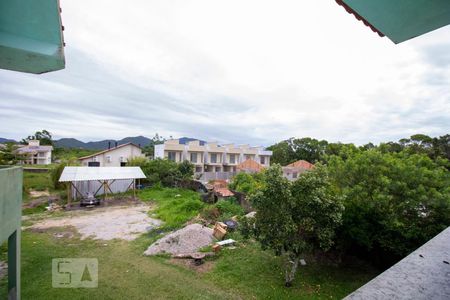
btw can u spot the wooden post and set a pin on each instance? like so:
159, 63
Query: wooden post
134, 189
104, 191
14, 265
69, 193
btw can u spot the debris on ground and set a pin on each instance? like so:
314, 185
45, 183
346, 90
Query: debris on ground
251, 214
186, 240
302, 262
220, 230
65, 234
54, 207
3, 269
216, 248
226, 242
196, 256
231, 225
107, 223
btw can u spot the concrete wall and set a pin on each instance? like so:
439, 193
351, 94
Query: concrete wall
10, 200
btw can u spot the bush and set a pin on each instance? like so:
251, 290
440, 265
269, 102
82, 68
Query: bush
186, 169
161, 170
175, 206
247, 183
228, 208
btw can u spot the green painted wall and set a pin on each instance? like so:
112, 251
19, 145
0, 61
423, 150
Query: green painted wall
10, 200
401, 20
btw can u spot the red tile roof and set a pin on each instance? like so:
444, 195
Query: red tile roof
250, 165
303, 164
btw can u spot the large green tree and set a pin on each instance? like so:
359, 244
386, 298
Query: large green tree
295, 219
394, 203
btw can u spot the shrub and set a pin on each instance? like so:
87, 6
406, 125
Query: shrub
246, 183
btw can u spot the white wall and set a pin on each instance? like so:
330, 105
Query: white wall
159, 151
126, 153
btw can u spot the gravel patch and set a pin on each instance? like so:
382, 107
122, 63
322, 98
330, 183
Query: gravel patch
186, 240
125, 223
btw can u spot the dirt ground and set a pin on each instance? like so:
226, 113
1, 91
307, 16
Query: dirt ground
106, 223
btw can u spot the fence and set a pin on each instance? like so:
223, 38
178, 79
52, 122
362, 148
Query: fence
84, 187
208, 176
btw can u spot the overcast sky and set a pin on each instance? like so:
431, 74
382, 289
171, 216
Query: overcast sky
232, 71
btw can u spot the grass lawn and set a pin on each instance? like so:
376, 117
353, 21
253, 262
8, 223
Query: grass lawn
124, 273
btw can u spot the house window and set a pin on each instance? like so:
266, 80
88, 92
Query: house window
95, 158
232, 159
247, 157
294, 175
171, 156
262, 160
122, 159
213, 158
194, 157
108, 158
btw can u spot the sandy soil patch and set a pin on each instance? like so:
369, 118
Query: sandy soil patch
111, 223
37, 194
189, 263
186, 240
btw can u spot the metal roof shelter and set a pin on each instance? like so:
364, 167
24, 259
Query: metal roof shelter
400, 20
105, 175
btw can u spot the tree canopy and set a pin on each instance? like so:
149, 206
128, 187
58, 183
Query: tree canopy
298, 218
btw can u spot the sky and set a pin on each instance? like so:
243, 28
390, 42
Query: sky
247, 71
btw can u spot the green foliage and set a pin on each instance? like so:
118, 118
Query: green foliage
137, 162
44, 137
161, 170
229, 208
174, 206
186, 169
149, 150
246, 183
293, 219
8, 154
71, 154
56, 172
394, 203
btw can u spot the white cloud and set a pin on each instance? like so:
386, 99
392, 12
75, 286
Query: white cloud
256, 71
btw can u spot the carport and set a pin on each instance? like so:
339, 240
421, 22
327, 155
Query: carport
104, 177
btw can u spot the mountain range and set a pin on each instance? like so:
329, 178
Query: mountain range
101, 145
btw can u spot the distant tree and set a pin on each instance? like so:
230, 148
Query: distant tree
44, 137
294, 219
294, 149
309, 149
9, 155
149, 150
137, 162
283, 153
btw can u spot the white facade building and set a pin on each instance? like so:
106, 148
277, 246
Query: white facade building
210, 156
35, 154
113, 157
